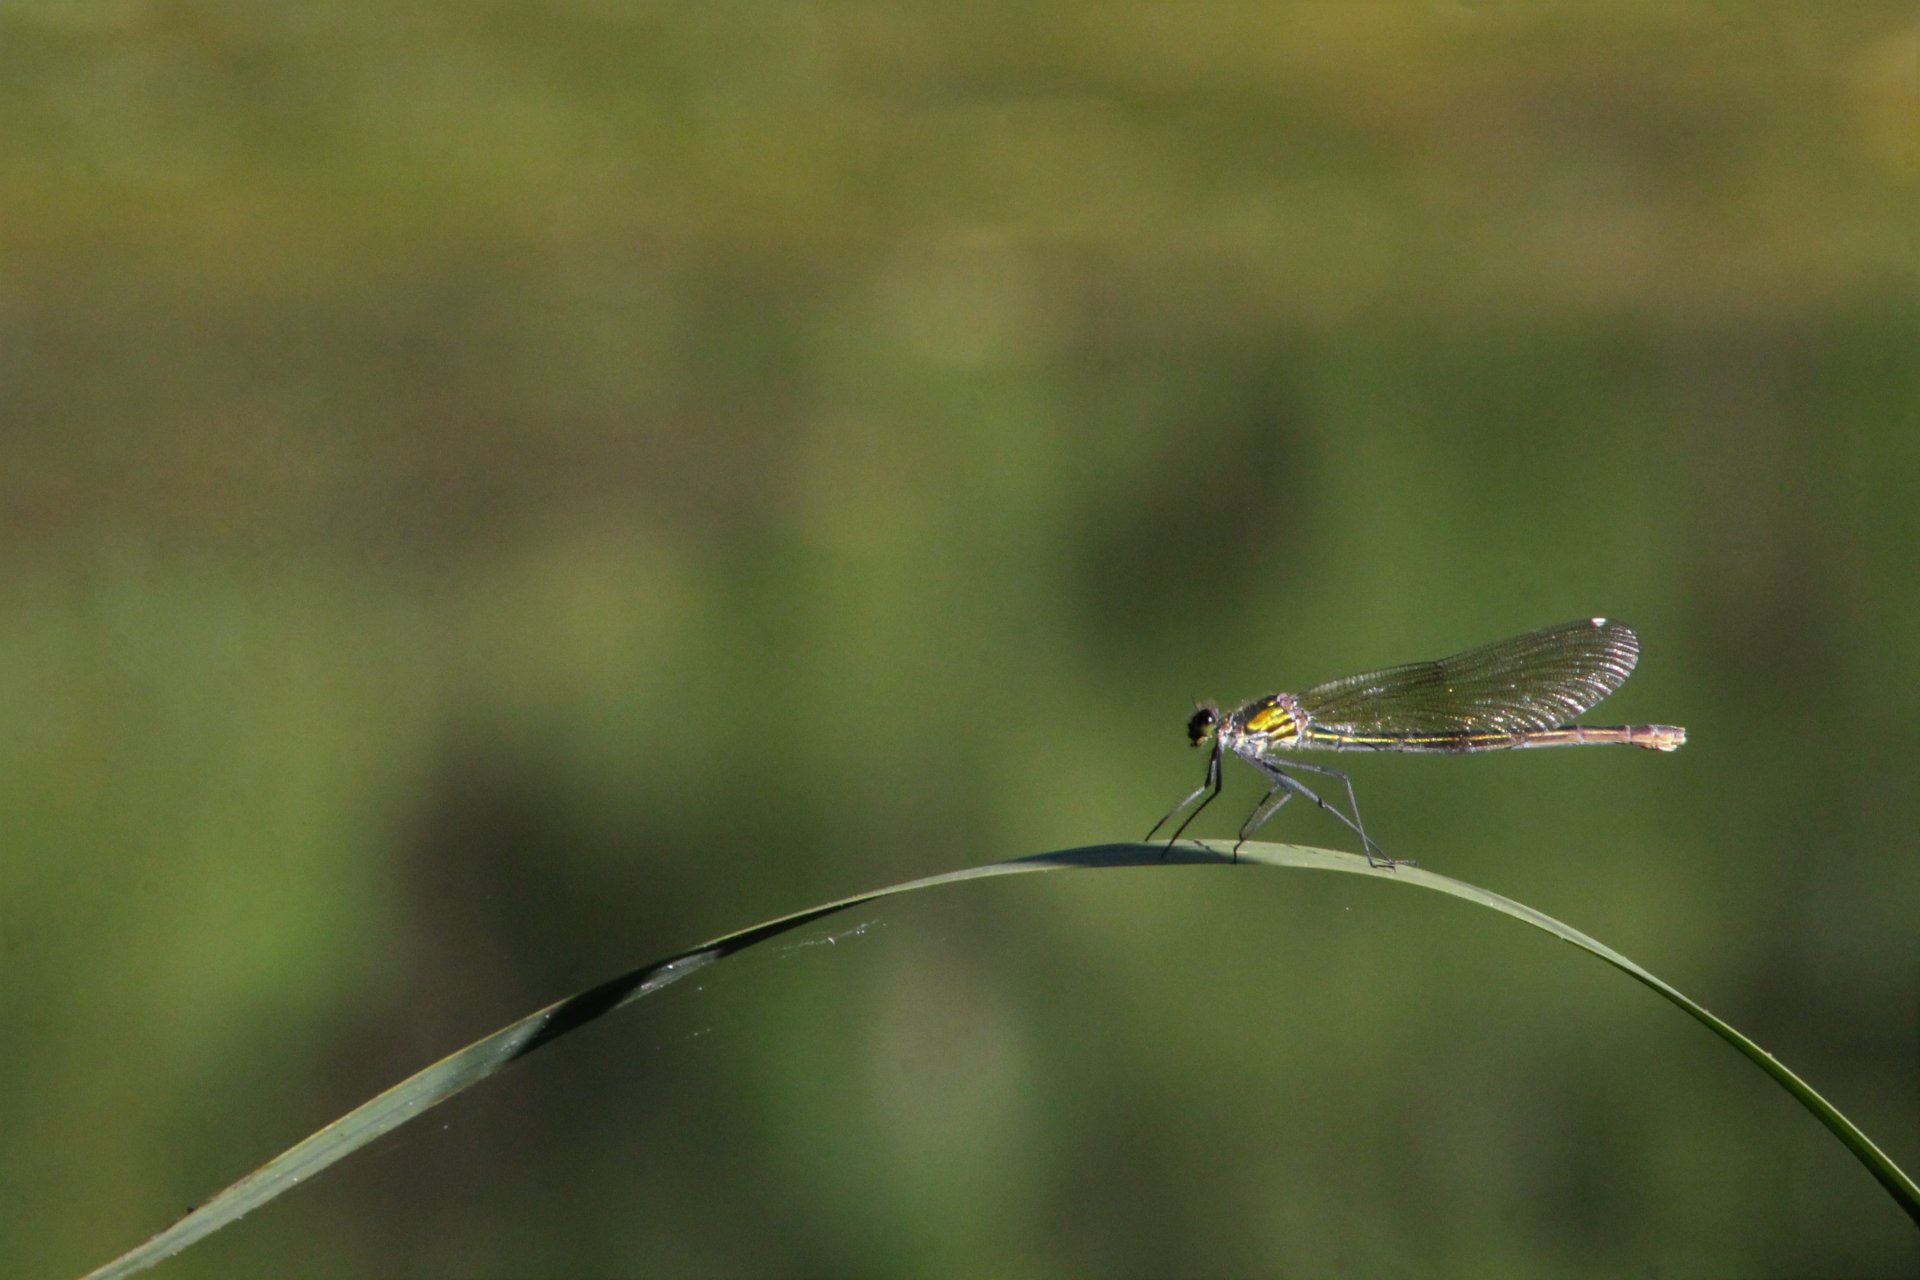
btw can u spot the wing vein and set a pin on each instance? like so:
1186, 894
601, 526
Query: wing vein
1541, 680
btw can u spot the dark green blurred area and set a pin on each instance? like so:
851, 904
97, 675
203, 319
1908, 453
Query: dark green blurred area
493, 494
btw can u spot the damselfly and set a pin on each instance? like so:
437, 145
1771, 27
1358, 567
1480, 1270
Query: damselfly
1518, 692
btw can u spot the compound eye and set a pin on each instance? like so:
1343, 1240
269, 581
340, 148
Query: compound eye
1200, 725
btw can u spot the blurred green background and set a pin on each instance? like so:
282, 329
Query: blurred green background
494, 493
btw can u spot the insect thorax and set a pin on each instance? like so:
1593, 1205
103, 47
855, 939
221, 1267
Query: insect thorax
1272, 720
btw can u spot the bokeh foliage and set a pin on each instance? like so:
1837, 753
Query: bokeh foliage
493, 493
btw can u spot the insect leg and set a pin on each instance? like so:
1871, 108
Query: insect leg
1268, 806
1211, 783
1376, 857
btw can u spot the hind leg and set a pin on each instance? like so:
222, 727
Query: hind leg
1376, 857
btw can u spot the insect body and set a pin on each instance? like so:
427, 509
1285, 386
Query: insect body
1520, 692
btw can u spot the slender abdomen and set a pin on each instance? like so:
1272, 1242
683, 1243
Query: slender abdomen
1653, 737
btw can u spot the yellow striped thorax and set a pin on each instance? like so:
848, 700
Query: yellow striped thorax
1274, 718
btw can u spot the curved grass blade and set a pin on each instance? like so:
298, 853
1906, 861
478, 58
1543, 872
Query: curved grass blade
493, 1053
1889, 1175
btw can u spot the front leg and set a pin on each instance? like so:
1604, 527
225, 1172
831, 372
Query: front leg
1212, 781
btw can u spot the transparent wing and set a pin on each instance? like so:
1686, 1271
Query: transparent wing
1540, 680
